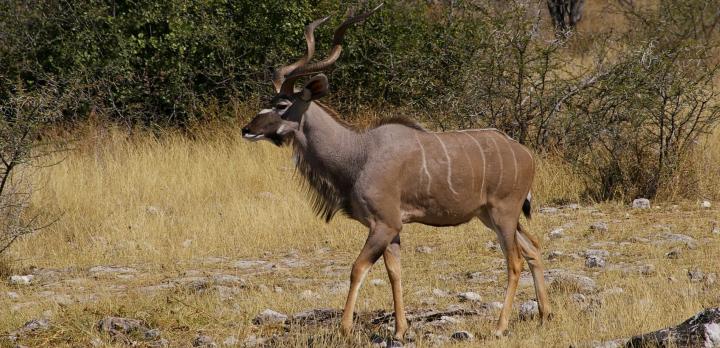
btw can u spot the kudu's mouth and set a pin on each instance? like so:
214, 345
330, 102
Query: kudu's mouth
253, 137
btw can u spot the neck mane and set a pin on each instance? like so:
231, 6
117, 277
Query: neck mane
329, 153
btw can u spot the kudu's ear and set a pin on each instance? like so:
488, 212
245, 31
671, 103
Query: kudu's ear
316, 88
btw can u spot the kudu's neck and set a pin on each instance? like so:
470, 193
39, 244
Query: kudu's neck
329, 148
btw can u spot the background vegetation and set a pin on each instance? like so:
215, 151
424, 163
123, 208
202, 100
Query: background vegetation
625, 103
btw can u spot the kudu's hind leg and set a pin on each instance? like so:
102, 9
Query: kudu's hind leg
392, 264
375, 245
530, 249
505, 231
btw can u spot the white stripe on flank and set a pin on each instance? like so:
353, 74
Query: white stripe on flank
500, 159
449, 164
472, 168
424, 163
532, 161
515, 164
482, 154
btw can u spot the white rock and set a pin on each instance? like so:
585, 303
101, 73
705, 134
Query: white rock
377, 282
269, 316
231, 341
440, 293
98, 270
469, 296
152, 210
528, 310
557, 233
705, 204
599, 226
21, 279
12, 295
594, 261
308, 294
424, 249
548, 210
712, 335
641, 203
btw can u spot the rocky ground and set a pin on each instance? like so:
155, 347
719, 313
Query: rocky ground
602, 262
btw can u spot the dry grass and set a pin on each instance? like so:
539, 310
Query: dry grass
175, 208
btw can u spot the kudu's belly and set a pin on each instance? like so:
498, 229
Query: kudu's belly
441, 211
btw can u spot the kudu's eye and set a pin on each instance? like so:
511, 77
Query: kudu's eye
281, 106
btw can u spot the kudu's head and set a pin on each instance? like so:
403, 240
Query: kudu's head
278, 122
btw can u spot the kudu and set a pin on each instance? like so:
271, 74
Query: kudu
397, 173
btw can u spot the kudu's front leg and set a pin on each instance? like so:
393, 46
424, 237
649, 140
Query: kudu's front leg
392, 265
380, 237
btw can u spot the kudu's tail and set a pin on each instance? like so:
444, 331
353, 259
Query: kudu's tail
526, 208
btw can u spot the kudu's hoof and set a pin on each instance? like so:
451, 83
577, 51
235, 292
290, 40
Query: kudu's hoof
500, 333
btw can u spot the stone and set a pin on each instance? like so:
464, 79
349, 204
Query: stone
377, 282
555, 254
696, 275
594, 261
528, 310
31, 326
120, 328
641, 203
479, 277
462, 336
202, 340
673, 254
21, 279
12, 295
710, 279
245, 264
557, 233
647, 270
187, 243
469, 297
609, 344
705, 204
578, 298
563, 280
715, 229
269, 316
700, 330
548, 210
440, 293
152, 210
254, 341
316, 316
690, 242
152, 334
308, 295
599, 226
110, 270
424, 249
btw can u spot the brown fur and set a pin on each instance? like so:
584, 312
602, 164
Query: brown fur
401, 120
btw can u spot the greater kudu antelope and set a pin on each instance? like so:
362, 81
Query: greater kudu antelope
398, 173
